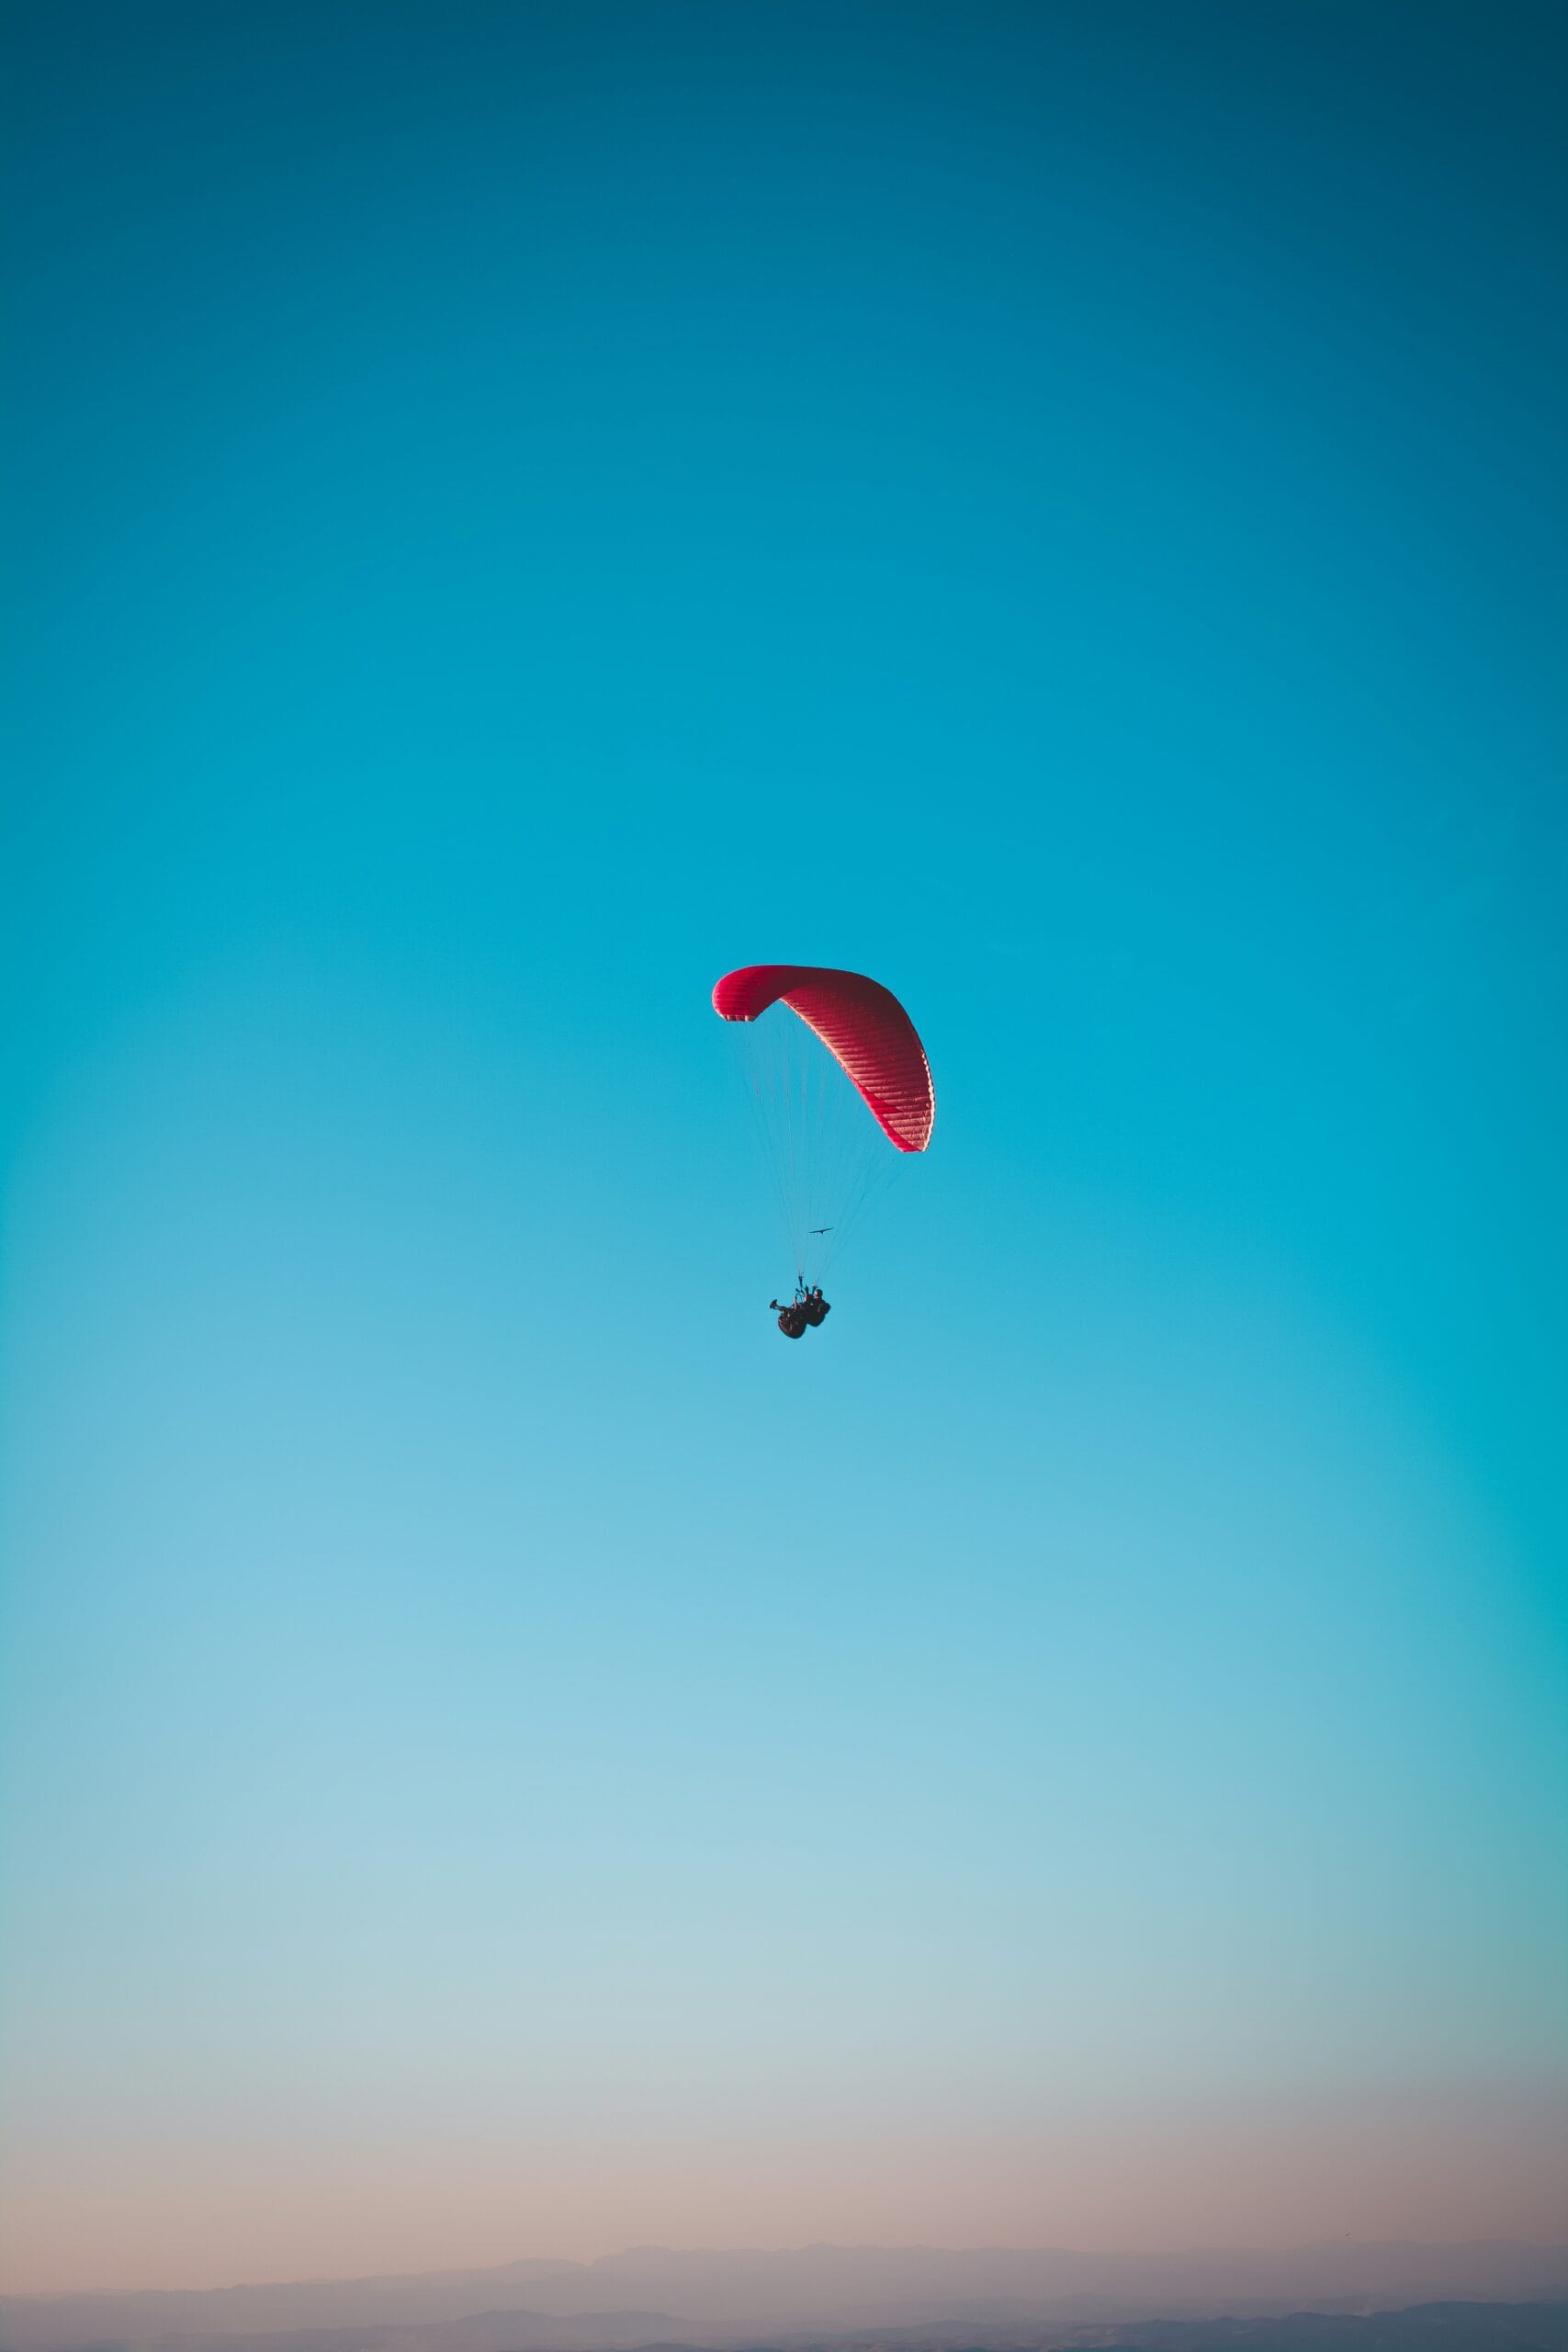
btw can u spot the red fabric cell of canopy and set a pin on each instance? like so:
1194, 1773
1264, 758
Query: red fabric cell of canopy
864, 1026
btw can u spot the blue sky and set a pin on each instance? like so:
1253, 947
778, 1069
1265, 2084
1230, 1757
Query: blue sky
521, 510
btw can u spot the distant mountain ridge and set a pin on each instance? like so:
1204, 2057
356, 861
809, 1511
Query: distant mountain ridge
999, 2297
1429, 2327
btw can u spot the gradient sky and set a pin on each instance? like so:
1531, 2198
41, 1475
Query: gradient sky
522, 508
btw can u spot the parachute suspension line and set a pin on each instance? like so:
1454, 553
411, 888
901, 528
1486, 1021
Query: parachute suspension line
789, 1076
830, 1154
827, 1157
875, 1181
790, 1072
835, 1104
752, 1070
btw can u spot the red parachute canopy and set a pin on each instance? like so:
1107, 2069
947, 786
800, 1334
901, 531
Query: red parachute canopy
864, 1028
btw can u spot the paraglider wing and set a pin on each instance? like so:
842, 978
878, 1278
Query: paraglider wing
864, 1028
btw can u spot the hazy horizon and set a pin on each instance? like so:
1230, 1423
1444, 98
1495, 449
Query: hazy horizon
991, 2273
1473, 2177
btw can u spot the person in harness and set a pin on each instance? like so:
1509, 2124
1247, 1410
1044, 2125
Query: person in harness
807, 1307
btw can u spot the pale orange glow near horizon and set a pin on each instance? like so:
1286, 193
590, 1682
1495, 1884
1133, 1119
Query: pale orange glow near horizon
1425, 2170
